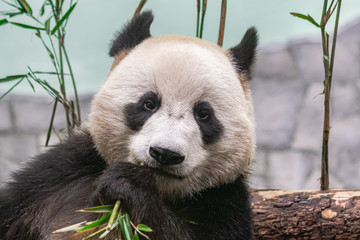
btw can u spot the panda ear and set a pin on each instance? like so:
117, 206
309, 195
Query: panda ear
133, 33
244, 53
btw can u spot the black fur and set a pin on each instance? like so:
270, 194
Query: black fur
133, 33
137, 113
45, 195
210, 127
69, 168
244, 53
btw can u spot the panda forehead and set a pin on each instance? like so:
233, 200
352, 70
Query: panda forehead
177, 67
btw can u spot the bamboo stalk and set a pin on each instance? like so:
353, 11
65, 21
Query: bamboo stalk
328, 68
198, 18
140, 6
222, 23
77, 101
202, 17
324, 180
332, 59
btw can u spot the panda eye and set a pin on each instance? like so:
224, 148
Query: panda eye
149, 105
203, 115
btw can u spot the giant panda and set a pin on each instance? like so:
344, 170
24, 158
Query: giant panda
170, 134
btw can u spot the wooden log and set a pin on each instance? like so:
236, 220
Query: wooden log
333, 214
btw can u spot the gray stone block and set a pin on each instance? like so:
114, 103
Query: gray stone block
276, 104
308, 58
347, 60
344, 151
345, 101
275, 63
5, 116
289, 169
258, 182
313, 181
33, 114
308, 135
259, 165
15, 151
85, 102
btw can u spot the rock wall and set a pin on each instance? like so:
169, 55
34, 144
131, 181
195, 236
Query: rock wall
289, 112
287, 87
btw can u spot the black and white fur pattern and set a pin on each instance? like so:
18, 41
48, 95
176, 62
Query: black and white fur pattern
171, 134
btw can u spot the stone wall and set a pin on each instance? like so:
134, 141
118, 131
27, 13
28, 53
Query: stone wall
289, 113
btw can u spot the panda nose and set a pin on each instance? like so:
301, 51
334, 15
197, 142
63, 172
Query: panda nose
165, 156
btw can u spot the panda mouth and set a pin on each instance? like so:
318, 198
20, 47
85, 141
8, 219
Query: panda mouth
164, 173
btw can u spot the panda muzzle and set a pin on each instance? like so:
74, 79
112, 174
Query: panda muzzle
165, 156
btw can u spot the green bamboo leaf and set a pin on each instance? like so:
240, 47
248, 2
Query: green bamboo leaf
10, 14
12, 5
306, 17
25, 6
12, 78
42, 9
128, 228
47, 26
49, 73
120, 219
66, 16
191, 222
135, 237
31, 85
95, 233
3, 21
26, 26
2, 96
48, 135
96, 223
143, 228
98, 209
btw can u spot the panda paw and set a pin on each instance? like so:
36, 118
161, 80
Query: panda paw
133, 185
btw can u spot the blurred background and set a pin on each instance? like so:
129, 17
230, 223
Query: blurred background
287, 81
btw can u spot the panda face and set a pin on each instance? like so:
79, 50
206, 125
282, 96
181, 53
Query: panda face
176, 105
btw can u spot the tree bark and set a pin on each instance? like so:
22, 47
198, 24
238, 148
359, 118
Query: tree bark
333, 214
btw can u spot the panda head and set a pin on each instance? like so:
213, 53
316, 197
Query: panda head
178, 105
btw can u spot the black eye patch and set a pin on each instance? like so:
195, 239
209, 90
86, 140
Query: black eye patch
210, 127
137, 113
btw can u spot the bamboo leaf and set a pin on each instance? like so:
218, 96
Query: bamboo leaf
26, 26
95, 233
96, 223
11, 14
66, 16
48, 135
120, 219
88, 234
98, 209
12, 5
306, 17
31, 85
136, 237
70, 228
143, 228
104, 234
3, 21
12, 78
47, 26
2, 96
25, 6
42, 9
127, 225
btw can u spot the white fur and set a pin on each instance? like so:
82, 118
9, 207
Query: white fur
182, 71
